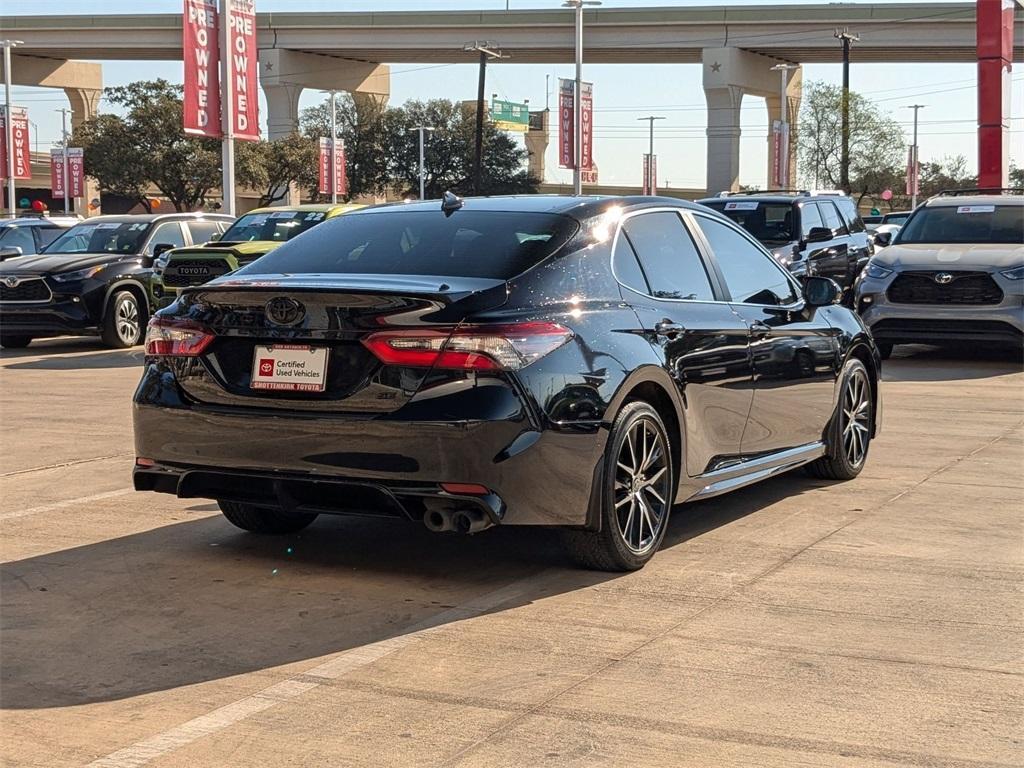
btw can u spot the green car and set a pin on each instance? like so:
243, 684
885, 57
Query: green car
254, 234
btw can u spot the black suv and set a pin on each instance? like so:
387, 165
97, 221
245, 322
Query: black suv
92, 279
810, 234
567, 361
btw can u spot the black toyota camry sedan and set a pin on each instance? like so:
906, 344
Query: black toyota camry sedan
580, 362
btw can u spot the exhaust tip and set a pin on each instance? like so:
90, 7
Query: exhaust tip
438, 520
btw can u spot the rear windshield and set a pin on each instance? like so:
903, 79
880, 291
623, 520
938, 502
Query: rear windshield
978, 223
101, 237
768, 222
489, 244
895, 218
278, 226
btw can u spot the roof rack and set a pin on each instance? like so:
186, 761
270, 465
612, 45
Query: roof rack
802, 192
980, 191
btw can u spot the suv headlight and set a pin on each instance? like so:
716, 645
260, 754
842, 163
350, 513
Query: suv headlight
81, 274
1014, 274
877, 271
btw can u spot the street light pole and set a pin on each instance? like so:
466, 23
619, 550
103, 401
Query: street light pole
913, 155
64, 155
784, 128
846, 38
423, 168
227, 111
9, 125
649, 181
577, 102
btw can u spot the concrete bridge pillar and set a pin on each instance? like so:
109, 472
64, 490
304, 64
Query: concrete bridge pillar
729, 74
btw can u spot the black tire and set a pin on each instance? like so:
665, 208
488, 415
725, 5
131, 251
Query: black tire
884, 349
14, 341
608, 549
844, 459
266, 520
124, 321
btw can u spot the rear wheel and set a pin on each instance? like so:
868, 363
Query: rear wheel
852, 425
636, 497
267, 520
122, 323
8, 341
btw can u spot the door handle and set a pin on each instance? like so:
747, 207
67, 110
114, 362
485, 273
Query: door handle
760, 330
668, 329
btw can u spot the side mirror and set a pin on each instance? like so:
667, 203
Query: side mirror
147, 261
10, 252
883, 239
161, 248
819, 235
215, 237
821, 291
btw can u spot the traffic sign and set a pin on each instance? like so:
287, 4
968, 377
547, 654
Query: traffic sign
510, 115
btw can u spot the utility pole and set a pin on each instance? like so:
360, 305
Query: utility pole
577, 102
913, 160
423, 169
12, 202
649, 181
64, 157
846, 37
227, 112
784, 139
487, 50
334, 151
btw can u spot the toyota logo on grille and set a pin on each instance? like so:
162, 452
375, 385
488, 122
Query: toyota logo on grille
943, 278
285, 311
11, 281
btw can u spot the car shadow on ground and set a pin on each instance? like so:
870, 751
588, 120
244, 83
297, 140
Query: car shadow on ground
67, 354
197, 600
916, 362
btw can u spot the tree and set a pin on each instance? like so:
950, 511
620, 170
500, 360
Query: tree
273, 166
147, 146
1016, 176
877, 148
949, 172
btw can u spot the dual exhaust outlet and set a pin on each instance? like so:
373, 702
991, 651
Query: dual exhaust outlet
458, 520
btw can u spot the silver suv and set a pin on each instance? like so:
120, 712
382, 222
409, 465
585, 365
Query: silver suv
954, 272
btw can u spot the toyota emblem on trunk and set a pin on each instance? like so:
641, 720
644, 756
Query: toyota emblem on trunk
943, 278
285, 311
11, 281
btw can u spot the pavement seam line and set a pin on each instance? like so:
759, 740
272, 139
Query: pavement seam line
63, 464
142, 752
62, 504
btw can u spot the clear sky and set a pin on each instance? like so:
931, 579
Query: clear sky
622, 93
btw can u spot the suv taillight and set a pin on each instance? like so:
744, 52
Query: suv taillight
169, 337
472, 347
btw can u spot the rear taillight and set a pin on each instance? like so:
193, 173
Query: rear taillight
471, 347
169, 337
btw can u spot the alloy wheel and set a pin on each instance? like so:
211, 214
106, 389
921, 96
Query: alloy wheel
641, 489
856, 418
128, 321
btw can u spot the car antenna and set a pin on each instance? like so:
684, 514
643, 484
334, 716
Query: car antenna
450, 203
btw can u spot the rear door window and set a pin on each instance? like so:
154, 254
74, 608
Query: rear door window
669, 257
626, 267
752, 276
848, 209
830, 215
809, 219
487, 244
169, 232
202, 231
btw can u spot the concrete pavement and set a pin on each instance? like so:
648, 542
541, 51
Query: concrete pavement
871, 623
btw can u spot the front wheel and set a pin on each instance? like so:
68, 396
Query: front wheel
636, 497
851, 428
8, 341
122, 323
267, 520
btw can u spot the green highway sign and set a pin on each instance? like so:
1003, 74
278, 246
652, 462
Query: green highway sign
510, 115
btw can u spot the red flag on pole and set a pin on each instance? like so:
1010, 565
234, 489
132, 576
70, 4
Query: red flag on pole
57, 174
587, 118
325, 166
340, 175
201, 51
22, 161
566, 140
242, 65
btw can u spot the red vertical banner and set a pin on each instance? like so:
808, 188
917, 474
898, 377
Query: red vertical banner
654, 176
587, 120
646, 188
76, 171
775, 182
325, 166
57, 174
201, 54
22, 161
241, 55
340, 174
566, 133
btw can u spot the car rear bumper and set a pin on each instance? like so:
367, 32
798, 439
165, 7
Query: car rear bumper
341, 464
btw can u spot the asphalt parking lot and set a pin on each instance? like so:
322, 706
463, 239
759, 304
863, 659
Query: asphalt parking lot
795, 623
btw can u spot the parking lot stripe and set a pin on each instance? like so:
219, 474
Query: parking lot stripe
143, 752
62, 504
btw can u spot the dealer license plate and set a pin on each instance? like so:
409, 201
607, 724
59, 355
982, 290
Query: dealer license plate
295, 367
